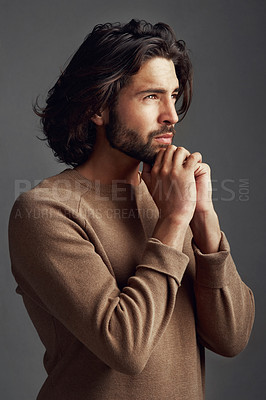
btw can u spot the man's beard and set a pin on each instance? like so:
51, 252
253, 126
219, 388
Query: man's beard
130, 142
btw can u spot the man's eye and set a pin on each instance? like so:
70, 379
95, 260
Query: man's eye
174, 96
151, 96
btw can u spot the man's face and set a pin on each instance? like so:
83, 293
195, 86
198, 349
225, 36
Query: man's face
144, 116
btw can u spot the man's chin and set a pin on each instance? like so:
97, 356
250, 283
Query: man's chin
150, 159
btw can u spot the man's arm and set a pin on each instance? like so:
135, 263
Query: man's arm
225, 305
59, 264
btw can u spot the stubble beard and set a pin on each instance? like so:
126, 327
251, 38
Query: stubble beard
130, 142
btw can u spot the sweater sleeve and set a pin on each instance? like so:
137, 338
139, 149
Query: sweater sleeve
57, 266
225, 305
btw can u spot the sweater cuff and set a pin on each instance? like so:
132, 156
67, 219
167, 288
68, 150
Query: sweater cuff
164, 259
212, 270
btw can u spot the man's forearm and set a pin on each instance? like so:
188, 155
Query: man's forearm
206, 231
170, 232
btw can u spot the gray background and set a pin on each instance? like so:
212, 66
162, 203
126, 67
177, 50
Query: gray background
226, 123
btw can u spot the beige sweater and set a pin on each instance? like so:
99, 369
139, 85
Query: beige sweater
121, 315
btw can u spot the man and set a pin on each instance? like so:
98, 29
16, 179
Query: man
126, 276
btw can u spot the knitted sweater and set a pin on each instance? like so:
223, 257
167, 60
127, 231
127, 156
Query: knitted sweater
121, 315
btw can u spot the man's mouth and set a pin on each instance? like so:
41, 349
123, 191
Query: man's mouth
165, 138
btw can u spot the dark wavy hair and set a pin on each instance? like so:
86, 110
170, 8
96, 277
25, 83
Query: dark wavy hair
100, 68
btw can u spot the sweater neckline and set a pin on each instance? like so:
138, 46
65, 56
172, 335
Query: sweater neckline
106, 188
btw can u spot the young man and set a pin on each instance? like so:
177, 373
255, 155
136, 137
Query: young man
126, 276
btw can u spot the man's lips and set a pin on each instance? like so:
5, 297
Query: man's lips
165, 138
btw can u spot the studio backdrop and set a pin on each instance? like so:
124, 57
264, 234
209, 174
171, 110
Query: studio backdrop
226, 123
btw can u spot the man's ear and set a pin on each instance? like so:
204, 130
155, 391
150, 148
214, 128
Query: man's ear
101, 118
98, 119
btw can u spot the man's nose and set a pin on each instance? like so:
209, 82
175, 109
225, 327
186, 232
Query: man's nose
168, 114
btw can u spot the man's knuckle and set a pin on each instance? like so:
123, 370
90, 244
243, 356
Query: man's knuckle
174, 174
172, 147
154, 171
180, 148
196, 155
164, 171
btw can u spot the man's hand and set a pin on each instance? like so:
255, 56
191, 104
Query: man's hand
180, 185
202, 174
172, 185
205, 223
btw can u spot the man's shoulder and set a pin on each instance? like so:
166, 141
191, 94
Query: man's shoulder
58, 191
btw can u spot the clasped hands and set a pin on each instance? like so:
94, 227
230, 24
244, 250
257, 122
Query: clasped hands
180, 184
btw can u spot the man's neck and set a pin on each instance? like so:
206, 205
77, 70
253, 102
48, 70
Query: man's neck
106, 165
90, 171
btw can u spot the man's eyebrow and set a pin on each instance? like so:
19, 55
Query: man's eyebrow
155, 90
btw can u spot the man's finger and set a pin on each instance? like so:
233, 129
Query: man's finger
192, 160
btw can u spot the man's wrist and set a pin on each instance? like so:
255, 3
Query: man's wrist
171, 232
206, 231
